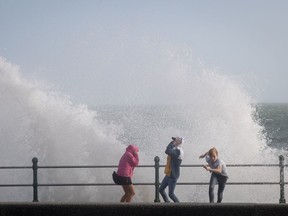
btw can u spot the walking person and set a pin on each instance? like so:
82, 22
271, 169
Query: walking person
124, 174
219, 174
172, 169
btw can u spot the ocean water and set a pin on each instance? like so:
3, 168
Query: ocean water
38, 121
274, 118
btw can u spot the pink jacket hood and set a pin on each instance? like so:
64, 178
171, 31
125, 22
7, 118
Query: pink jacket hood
132, 149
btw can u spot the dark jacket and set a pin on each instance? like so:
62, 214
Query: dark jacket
174, 161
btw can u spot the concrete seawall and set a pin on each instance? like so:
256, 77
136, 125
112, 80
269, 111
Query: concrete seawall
139, 209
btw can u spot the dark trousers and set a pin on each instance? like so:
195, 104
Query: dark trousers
171, 183
221, 180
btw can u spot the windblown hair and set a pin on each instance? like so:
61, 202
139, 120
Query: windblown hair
213, 151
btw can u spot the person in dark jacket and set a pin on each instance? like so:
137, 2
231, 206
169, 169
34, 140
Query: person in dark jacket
172, 169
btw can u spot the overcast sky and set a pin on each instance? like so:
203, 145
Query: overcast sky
96, 51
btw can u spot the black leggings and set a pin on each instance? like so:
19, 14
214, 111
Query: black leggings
221, 180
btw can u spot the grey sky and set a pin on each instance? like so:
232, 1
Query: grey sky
100, 51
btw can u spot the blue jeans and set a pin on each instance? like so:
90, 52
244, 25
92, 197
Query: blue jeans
171, 183
221, 185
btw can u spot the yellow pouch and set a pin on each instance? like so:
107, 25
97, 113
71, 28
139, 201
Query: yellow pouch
167, 170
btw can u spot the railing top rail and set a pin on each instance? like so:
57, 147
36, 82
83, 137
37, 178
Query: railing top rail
234, 165
15, 167
75, 166
253, 165
142, 166
89, 166
149, 166
16, 185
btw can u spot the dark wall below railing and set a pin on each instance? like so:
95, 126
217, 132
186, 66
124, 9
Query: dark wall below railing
141, 209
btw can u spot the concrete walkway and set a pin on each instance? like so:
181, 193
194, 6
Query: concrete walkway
141, 209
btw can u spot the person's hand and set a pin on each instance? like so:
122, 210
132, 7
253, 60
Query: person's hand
201, 156
206, 167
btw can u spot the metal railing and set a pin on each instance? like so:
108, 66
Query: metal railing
35, 185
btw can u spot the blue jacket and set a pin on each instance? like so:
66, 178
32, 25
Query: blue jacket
175, 163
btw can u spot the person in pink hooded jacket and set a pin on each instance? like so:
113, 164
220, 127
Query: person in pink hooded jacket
126, 166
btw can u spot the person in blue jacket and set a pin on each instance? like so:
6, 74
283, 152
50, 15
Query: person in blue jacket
175, 155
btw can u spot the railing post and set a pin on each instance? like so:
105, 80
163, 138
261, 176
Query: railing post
35, 179
157, 159
282, 181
